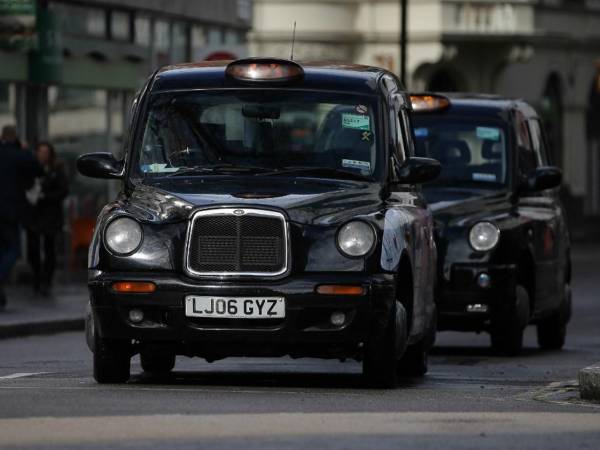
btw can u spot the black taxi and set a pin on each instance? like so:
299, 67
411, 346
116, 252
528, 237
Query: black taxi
268, 208
503, 244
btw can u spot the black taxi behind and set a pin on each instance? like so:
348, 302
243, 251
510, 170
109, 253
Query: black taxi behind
268, 208
503, 244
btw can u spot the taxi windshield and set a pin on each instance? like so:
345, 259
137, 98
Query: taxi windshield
472, 151
252, 131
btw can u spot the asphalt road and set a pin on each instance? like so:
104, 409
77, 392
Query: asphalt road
471, 399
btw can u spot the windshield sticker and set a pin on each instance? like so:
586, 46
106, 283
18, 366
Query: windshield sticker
356, 122
158, 168
490, 177
361, 109
363, 166
487, 133
421, 132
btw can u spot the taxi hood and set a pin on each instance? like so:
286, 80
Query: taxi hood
304, 200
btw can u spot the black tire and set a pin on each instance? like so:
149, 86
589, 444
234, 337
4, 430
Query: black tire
382, 350
414, 362
112, 361
157, 364
552, 330
507, 332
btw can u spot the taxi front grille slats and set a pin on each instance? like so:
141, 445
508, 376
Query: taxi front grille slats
248, 243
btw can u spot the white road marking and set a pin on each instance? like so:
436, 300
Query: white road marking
59, 431
20, 375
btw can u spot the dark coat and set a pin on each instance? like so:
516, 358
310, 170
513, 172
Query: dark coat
47, 213
18, 168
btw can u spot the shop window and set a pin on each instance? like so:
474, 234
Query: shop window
180, 42
7, 104
232, 37
120, 25
142, 31
82, 20
215, 36
162, 42
198, 42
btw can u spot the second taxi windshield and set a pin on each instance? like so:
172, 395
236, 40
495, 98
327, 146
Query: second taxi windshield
473, 152
261, 131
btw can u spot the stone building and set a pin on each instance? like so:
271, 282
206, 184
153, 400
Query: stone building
545, 51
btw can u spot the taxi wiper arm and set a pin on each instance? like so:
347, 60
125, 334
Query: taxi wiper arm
217, 169
319, 170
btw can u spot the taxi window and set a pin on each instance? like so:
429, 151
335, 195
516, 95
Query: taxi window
539, 143
527, 158
472, 152
261, 128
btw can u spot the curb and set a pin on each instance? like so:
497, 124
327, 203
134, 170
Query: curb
45, 327
589, 382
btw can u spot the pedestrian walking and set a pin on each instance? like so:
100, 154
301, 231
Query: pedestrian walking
18, 170
46, 217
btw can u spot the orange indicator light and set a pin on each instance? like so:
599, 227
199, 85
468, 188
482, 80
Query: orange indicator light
134, 287
340, 289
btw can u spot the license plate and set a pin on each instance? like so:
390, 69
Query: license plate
235, 307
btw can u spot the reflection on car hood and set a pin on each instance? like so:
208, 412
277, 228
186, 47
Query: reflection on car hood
456, 204
307, 201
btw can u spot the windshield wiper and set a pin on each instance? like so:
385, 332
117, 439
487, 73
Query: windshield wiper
316, 170
217, 169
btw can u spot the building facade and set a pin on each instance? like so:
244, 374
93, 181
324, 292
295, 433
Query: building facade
70, 68
544, 51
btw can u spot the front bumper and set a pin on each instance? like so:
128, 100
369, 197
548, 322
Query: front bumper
464, 305
305, 331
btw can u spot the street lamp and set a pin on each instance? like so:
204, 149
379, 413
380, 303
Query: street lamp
403, 39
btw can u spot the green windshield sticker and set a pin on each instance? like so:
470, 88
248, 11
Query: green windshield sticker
488, 133
356, 122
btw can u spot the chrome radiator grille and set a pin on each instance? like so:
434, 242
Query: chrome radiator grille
237, 242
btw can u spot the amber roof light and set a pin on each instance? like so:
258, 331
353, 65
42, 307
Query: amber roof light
428, 102
264, 70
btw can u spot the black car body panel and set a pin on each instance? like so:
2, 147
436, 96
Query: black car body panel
533, 248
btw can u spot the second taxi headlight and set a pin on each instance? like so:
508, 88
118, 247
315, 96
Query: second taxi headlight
356, 238
484, 236
123, 235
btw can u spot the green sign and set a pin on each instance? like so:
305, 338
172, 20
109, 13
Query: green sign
17, 7
17, 23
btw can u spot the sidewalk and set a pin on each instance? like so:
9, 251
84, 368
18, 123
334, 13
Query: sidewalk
27, 314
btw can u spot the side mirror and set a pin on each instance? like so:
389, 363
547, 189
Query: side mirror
99, 165
418, 170
545, 177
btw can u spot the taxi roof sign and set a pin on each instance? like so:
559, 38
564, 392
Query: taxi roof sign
429, 102
264, 70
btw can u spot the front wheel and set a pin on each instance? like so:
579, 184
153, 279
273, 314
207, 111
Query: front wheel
415, 361
112, 361
552, 331
507, 332
382, 350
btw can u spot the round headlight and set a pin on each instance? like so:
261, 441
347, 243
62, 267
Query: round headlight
123, 235
356, 238
484, 236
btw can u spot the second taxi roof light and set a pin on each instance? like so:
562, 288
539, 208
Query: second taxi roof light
265, 70
429, 102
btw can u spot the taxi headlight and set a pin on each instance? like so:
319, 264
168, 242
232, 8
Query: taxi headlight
123, 235
356, 238
484, 236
